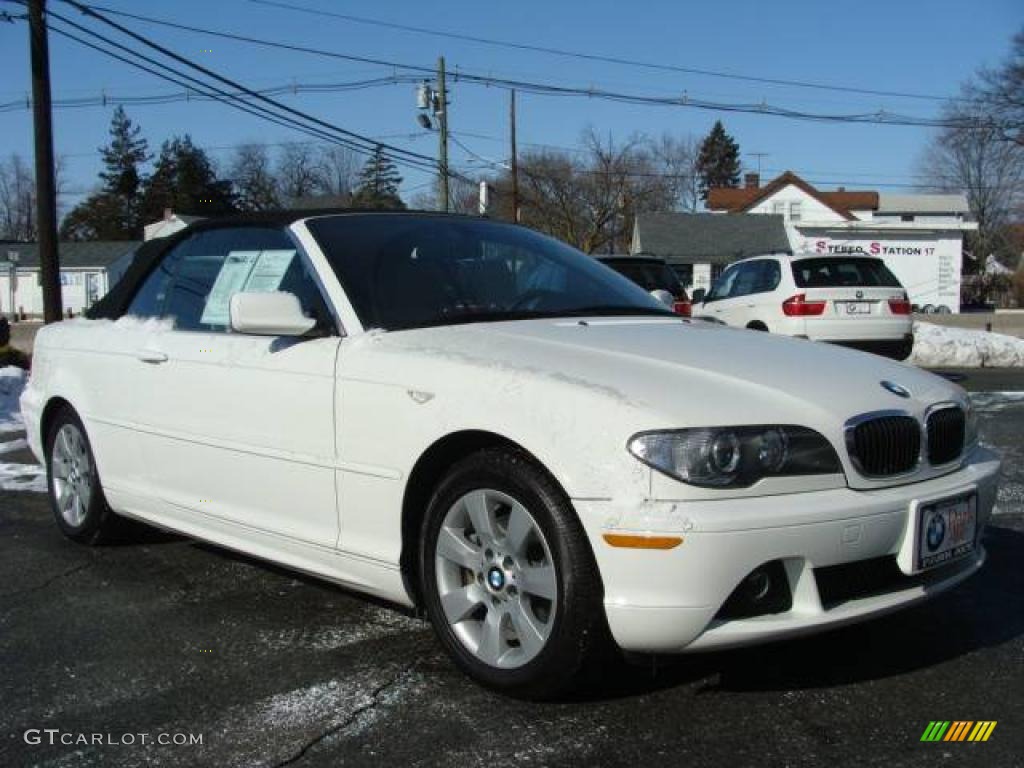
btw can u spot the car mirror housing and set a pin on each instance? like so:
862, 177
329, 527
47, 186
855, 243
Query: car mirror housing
269, 314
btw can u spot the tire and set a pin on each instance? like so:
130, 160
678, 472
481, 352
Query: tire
757, 325
520, 607
73, 482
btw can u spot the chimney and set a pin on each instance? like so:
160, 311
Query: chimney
168, 214
751, 180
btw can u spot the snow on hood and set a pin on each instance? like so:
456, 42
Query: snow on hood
938, 346
676, 367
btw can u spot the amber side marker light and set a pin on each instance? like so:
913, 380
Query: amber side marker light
643, 542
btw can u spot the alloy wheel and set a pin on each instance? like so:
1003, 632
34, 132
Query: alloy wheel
72, 474
496, 578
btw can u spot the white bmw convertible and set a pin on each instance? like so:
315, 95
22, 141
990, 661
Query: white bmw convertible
472, 419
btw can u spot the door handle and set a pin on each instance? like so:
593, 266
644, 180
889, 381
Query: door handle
151, 356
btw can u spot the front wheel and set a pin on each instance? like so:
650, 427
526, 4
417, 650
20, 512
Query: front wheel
509, 580
73, 481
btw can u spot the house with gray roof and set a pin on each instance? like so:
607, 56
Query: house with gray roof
87, 270
700, 245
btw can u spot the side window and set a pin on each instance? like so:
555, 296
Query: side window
723, 285
746, 280
768, 276
195, 283
151, 297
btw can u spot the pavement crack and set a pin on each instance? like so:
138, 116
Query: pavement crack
47, 583
373, 703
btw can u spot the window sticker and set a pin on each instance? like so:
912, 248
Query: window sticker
244, 271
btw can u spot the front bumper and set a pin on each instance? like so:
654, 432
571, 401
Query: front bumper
666, 600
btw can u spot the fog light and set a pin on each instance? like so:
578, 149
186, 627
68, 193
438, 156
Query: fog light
764, 590
757, 585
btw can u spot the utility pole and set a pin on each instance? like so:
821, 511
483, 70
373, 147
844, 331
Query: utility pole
442, 117
513, 162
46, 193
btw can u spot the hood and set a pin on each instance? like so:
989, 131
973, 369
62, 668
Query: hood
684, 370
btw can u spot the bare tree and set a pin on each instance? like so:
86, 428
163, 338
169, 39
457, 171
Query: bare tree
591, 198
298, 171
17, 200
971, 156
338, 170
676, 157
253, 178
1000, 93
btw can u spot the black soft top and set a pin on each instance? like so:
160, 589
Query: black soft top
150, 253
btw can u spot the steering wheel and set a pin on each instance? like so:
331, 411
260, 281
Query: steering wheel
531, 297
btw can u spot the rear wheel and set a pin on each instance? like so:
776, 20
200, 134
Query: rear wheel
757, 325
509, 579
73, 481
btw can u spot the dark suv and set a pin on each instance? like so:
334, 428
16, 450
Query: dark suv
651, 273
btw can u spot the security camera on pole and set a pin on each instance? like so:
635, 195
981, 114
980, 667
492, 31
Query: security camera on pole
436, 101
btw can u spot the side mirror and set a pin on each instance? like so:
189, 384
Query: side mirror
698, 296
664, 297
268, 314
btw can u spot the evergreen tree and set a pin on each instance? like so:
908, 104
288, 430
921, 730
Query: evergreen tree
185, 181
378, 183
718, 164
113, 212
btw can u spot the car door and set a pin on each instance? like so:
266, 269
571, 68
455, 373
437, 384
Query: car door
234, 428
758, 303
719, 290
727, 294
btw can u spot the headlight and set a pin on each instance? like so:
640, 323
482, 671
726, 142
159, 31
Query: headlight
736, 457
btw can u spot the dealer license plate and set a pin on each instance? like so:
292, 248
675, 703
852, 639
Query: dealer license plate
857, 307
946, 530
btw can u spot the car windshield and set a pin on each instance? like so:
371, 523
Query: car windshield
650, 275
412, 271
835, 273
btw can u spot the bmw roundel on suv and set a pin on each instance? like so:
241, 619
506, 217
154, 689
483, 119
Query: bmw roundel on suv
472, 419
854, 301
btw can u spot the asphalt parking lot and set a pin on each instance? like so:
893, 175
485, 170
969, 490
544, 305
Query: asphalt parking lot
159, 635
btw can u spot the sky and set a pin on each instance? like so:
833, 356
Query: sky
912, 47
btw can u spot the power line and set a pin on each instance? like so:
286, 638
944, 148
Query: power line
210, 91
601, 57
352, 135
880, 117
295, 88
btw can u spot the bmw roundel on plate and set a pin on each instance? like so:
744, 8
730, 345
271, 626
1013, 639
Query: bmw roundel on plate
474, 419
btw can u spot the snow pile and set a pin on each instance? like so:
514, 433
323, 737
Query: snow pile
13, 476
937, 346
22, 477
12, 382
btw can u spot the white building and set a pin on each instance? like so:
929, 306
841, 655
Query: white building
87, 270
920, 237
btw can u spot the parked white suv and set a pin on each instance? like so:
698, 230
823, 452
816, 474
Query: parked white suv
850, 300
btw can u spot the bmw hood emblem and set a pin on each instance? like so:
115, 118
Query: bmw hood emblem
896, 389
